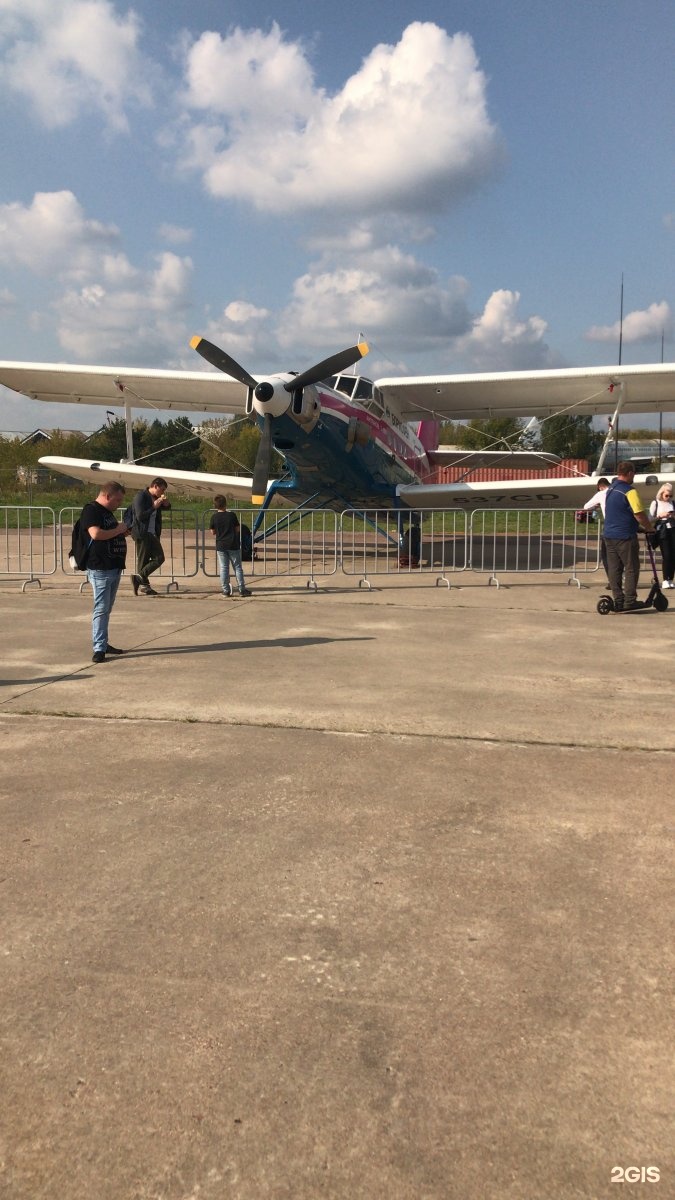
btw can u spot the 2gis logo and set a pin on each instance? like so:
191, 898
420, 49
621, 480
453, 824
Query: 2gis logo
635, 1174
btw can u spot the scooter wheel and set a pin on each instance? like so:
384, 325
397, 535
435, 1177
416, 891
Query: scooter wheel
606, 605
660, 602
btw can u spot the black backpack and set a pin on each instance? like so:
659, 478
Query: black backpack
246, 543
79, 549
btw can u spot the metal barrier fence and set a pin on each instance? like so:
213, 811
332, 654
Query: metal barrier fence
517, 541
385, 542
180, 542
290, 544
318, 543
28, 542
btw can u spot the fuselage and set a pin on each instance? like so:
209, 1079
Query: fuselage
341, 448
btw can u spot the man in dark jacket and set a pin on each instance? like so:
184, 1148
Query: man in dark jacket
146, 532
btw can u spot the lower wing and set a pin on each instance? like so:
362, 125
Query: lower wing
513, 493
190, 483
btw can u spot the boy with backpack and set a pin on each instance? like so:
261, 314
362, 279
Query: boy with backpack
225, 528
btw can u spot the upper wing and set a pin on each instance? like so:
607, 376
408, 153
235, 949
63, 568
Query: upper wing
185, 391
579, 391
192, 483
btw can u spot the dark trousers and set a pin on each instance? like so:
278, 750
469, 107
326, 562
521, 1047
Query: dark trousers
623, 567
667, 548
149, 555
603, 554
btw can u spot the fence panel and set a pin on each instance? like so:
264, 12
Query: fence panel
394, 542
519, 541
28, 542
298, 544
180, 542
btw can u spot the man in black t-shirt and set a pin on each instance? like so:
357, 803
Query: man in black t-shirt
225, 528
106, 556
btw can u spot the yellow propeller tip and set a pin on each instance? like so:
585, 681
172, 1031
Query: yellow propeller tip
363, 347
194, 341
257, 499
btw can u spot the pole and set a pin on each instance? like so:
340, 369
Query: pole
618, 408
661, 414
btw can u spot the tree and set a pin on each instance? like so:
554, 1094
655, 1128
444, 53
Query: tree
570, 437
110, 443
230, 447
490, 434
172, 443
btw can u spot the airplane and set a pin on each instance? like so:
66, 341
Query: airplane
348, 442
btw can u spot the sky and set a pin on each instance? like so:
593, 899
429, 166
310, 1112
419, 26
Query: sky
464, 184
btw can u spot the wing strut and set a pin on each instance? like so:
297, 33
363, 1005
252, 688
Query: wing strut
613, 427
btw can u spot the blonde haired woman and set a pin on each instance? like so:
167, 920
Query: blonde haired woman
662, 512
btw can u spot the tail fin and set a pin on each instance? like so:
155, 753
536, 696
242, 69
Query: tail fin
428, 433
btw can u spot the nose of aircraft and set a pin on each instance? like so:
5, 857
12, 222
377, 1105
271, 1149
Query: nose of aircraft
270, 398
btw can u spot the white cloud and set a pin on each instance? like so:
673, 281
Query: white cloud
645, 326
111, 308
51, 236
177, 235
146, 323
408, 132
7, 300
68, 57
386, 293
500, 340
243, 331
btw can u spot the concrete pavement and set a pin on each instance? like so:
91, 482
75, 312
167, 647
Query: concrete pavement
335, 895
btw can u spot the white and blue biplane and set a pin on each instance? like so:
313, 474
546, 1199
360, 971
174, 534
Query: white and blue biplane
347, 442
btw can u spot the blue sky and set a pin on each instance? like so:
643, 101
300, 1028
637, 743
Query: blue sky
464, 183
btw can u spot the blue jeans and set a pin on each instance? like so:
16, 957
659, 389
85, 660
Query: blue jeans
225, 557
104, 585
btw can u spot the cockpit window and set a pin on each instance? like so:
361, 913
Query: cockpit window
357, 387
364, 389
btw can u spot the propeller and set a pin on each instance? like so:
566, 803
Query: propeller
222, 361
263, 459
264, 391
330, 366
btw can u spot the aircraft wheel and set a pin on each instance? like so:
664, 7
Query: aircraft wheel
606, 605
660, 602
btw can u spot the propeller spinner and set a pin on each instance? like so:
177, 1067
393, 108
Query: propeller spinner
268, 393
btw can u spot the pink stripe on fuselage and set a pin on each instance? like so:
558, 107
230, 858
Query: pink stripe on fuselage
382, 430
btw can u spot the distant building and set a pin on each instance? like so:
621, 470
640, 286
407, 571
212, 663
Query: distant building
45, 435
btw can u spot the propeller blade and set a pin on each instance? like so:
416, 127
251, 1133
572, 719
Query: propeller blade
330, 366
263, 460
218, 358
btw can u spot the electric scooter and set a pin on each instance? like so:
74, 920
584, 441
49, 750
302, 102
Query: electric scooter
655, 599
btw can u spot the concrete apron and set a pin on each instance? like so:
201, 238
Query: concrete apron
336, 895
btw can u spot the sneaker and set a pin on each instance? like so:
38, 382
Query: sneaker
149, 591
245, 592
136, 583
98, 656
113, 649
633, 605
618, 606
227, 591
668, 583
